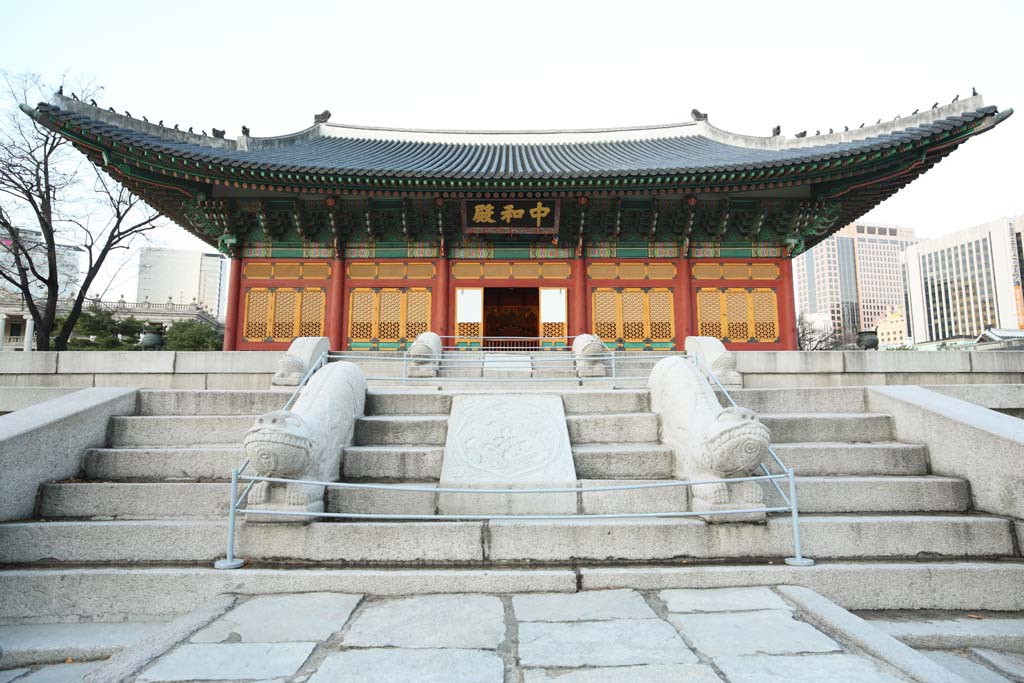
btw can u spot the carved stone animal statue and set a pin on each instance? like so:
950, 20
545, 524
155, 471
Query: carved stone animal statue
710, 442
716, 358
424, 355
296, 361
305, 442
589, 353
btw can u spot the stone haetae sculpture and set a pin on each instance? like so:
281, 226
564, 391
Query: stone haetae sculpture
424, 356
719, 360
296, 361
589, 353
305, 442
710, 442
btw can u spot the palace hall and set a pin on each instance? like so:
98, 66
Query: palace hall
642, 236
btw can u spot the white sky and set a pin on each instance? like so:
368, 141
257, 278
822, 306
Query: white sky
554, 64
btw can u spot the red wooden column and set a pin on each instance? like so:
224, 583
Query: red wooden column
439, 298
684, 302
336, 304
234, 304
578, 301
787, 307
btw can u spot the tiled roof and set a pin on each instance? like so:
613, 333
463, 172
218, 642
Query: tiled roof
683, 148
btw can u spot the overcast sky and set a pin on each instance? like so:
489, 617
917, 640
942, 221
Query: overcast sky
553, 64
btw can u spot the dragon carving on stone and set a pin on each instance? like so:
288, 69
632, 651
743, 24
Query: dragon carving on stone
305, 443
710, 442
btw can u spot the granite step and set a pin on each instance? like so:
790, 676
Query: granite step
513, 542
412, 430
33, 644
408, 402
838, 459
178, 430
154, 402
801, 400
210, 463
623, 461
817, 427
877, 494
613, 428
392, 463
134, 500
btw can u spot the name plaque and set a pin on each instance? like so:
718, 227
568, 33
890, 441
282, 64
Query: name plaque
510, 216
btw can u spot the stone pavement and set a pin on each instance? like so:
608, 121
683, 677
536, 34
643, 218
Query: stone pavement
723, 635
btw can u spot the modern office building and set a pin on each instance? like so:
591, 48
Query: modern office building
853, 277
69, 263
182, 277
968, 281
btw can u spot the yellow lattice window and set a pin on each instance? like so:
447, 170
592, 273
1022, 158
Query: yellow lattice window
467, 271
258, 271
661, 271
420, 271
605, 313
390, 271
496, 270
287, 271
417, 313
602, 271
553, 330
706, 271
739, 315
311, 317
765, 312
283, 314
764, 271
388, 315
469, 330
634, 315
736, 271
361, 306
555, 271
362, 271
709, 313
316, 271
661, 316
257, 314
283, 326
632, 271
526, 271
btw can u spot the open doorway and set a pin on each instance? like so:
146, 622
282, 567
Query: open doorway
511, 312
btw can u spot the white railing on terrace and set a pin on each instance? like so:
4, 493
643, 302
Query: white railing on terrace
238, 501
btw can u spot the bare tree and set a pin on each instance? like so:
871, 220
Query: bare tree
50, 196
810, 337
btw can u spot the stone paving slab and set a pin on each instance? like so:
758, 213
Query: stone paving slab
420, 665
1009, 663
430, 621
53, 643
585, 606
225, 662
653, 673
304, 617
721, 599
10, 674
773, 632
601, 643
941, 632
838, 668
964, 667
59, 673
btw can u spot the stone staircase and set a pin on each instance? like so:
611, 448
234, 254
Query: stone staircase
147, 498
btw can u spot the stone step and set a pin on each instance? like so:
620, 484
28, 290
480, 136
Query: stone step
408, 402
412, 430
623, 461
179, 430
32, 644
607, 401
838, 459
613, 428
801, 400
162, 464
210, 402
952, 630
877, 494
512, 542
816, 427
50, 594
134, 500
392, 463
815, 495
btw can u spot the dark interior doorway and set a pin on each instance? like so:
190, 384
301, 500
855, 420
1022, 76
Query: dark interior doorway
511, 312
